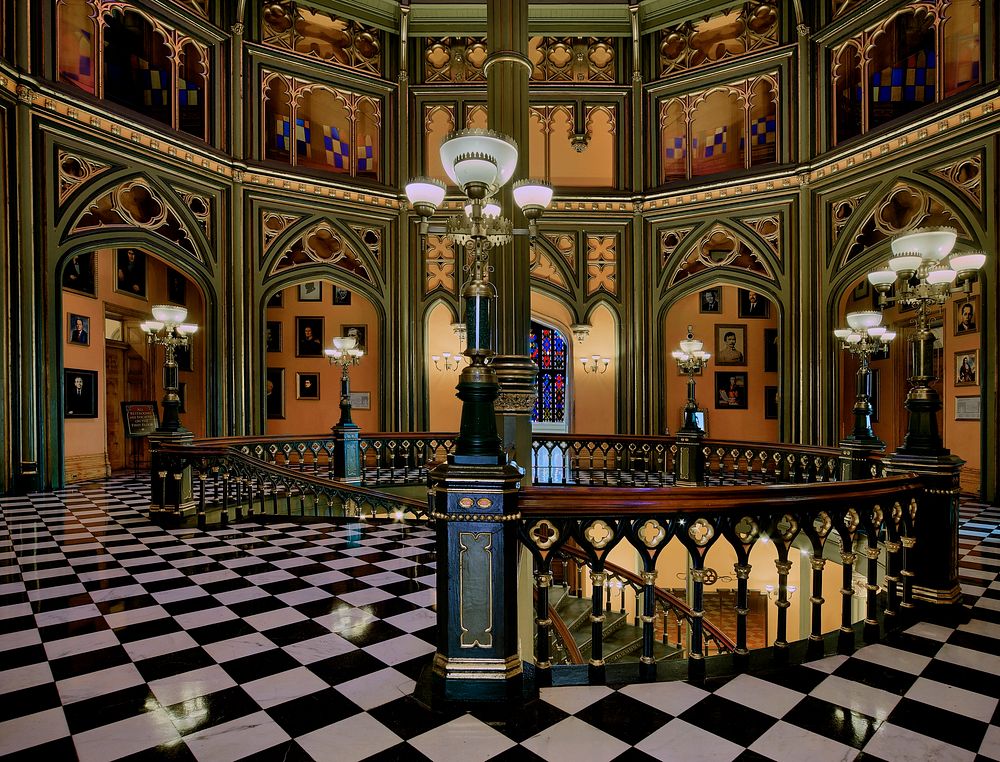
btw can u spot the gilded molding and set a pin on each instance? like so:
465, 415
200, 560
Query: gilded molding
515, 402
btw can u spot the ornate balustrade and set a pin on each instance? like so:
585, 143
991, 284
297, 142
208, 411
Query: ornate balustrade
752, 520
239, 480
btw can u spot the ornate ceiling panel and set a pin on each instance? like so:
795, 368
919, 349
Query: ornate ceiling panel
322, 244
966, 174
720, 247
440, 265
602, 265
76, 171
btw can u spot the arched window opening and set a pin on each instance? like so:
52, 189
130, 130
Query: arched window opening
549, 351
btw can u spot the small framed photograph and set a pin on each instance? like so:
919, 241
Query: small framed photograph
311, 292
873, 398
730, 344
341, 296
361, 400
771, 402
967, 316
700, 418
277, 300
861, 290
967, 408
771, 350
79, 329
80, 387
272, 336
731, 390
967, 368
80, 274
274, 393
131, 275
184, 358
360, 332
308, 337
176, 287
307, 386
710, 300
753, 305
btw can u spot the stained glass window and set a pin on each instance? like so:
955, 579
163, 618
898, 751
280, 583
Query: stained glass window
547, 348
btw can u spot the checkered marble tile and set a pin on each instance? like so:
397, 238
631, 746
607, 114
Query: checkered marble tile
119, 639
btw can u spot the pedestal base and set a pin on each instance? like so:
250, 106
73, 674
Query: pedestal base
347, 453
689, 463
935, 554
171, 492
856, 457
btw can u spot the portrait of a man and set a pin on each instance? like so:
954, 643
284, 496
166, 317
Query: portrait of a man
274, 393
272, 336
731, 390
308, 337
131, 272
341, 296
311, 291
710, 300
965, 315
359, 332
176, 287
79, 330
730, 344
753, 305
307, 386
80, 393
79, 274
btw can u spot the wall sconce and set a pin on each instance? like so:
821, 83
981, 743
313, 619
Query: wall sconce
451, 361
772, 592
596, 364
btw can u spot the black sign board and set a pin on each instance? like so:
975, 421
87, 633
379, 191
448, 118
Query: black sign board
141, 418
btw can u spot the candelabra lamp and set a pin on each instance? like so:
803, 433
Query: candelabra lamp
689, 465
347, 450
446, 361
864, 337
595, 364
474, 495
922, 273
170, 483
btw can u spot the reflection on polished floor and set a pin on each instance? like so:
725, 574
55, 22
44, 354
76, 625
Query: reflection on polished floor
121, 640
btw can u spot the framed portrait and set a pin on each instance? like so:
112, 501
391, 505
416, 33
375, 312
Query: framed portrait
184, 361
311, 291
361, 400
182, 392
730, 344
307, 386
710, 300
730, 390
700, 418
753, 304
80, 274
277, 300
770, 350
967, 316
274, 393
272, 336
130, 277
861, 290
967, 368
873, 398
771, 402
308, 337
80, 393
341, 296
176, 287
360, 332
78, 328
967, 408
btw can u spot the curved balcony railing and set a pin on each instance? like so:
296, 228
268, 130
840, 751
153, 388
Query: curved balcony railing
855, 514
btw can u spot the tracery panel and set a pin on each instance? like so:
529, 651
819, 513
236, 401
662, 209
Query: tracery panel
323, 36
732, 33
553, 59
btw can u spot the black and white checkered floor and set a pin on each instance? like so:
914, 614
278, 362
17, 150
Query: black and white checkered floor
121, 640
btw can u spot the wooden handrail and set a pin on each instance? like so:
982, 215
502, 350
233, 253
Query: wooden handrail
572, 500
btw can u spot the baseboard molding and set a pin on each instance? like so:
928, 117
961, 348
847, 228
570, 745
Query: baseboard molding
83, 468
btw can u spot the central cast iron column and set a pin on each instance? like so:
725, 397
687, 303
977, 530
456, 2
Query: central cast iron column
508, 73
936, 551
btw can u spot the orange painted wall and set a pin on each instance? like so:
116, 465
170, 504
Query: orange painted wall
318, 416
749, 424
88, 436
444, 408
